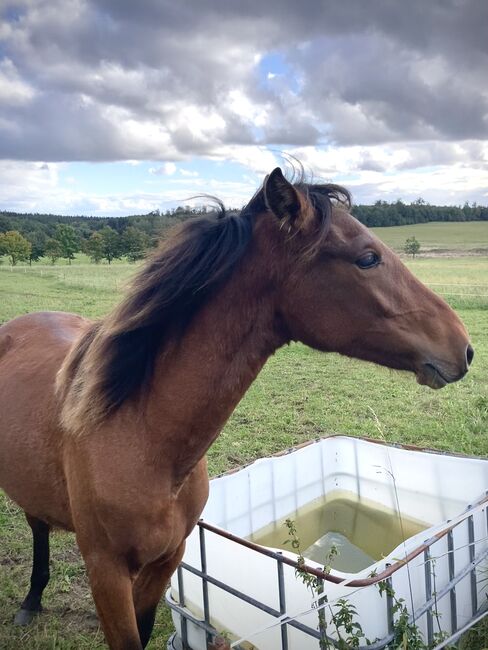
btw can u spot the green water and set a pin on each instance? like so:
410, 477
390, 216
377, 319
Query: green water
363, 531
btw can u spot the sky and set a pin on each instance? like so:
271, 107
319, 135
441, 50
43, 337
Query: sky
115, 107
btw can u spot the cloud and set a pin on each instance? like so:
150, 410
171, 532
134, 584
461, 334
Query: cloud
13, 90
25, 185
444, 185
167, 169
368, 86
366, 73
41, 187
188, 172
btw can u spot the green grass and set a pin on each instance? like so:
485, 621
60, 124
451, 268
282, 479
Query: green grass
462, 281
456, 236
299, 395
90, 290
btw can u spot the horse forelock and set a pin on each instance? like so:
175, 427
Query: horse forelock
113, 361
323, 198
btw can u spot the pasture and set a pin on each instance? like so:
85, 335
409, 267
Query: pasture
454, 237
299, 395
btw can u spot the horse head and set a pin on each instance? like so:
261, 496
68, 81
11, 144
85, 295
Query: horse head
343, 290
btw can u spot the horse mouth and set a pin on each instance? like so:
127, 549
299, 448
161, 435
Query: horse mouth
430, 375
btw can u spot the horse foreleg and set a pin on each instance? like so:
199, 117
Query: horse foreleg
111, 586
148, 590
40, 572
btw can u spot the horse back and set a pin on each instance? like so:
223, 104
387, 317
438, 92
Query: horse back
32, 348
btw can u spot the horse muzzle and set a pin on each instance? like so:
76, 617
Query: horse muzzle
437, 374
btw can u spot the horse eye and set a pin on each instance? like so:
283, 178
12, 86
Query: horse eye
368, 261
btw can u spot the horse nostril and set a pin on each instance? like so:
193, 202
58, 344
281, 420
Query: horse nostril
469, 354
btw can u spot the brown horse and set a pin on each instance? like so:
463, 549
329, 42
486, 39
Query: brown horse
105, 425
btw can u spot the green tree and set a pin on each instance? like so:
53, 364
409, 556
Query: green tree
135, 243
38, 241
53, 250
68, 241
112, 243
13, 244
412, 246
5, 223
94, 247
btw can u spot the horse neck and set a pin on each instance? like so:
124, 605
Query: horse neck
199, 381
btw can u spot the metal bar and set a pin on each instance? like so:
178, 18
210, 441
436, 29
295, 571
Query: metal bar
378, 645
321, 613
310, 631
474, 590
281, 592
462, 574
234, 592
389, 603
184, 625
428, 596
203, 560
452, 639
204, 626
255, 603
421, 610
185, 613
452, 571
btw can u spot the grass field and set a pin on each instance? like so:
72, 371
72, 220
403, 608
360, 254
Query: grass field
299, 395
456, 236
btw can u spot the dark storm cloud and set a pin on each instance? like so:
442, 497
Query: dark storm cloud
110, 79
371, 90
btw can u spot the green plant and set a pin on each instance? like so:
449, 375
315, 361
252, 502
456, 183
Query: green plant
412, 246
406, 634
343, 619
349, 631
310, 581
343, 614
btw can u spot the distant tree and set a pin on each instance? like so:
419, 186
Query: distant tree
94, 247
135, 243
68, 240
112, 244
412, 246
38, 241
53, 250
5, 223
15, 246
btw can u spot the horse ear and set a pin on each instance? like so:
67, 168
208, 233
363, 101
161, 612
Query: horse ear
289, 205
281, 197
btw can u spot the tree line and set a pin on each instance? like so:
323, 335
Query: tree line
104, 244
30, 237
398, 213
34, 236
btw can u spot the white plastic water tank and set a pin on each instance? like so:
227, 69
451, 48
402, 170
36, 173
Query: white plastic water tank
422, 485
